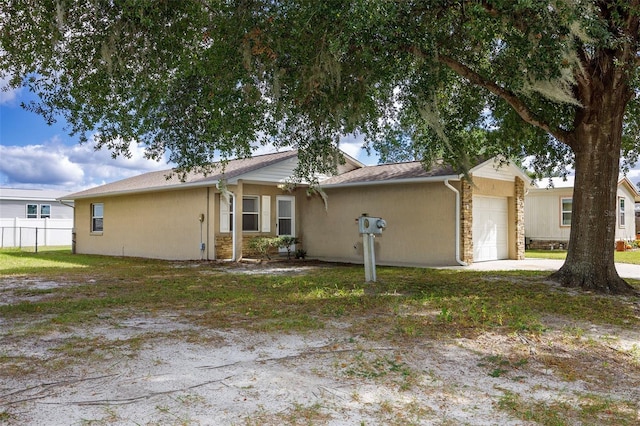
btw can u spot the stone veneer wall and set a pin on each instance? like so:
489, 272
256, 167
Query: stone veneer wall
519, 198
466, 219
224, 248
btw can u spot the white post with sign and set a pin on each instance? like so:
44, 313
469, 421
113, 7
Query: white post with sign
369, 227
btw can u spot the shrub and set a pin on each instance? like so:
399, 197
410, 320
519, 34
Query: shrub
262, 245
286, 242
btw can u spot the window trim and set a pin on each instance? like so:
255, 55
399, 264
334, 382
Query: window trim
44, 216
621, 212
94, 217
255, 213
563, 212
31, 216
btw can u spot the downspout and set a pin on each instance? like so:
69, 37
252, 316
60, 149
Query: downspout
233, 234
448, 185
208, 220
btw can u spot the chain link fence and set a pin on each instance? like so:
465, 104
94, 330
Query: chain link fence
31, 236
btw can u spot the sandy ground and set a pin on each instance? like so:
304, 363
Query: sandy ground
328, 377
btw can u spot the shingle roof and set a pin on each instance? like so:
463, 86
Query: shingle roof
390, 172
158, 180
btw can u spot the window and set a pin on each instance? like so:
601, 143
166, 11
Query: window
45, 211
621, 212
32, 211
97, 216
250, 214
566, 205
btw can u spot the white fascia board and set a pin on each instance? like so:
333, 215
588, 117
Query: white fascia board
392, 181
144, 190
352, 160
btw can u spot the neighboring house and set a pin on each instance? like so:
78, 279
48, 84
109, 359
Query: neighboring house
549, 207
22, 211
215, 217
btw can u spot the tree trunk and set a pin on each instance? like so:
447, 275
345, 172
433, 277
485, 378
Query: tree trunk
596, 142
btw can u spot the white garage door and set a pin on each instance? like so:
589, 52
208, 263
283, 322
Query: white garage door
490, 228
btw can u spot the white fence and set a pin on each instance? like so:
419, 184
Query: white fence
20, 232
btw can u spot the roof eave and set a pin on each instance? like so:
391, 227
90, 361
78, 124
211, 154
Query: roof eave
627, 182
425, 179
142, 190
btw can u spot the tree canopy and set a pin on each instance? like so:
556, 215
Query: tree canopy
557, 79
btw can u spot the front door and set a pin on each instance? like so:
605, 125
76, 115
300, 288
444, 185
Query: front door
285, 218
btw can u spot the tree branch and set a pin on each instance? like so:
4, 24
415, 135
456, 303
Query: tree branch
511, 98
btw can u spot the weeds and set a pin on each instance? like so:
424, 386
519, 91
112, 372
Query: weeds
586, 409
500, 366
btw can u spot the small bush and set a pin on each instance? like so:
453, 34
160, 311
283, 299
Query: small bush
286, 242
262, 245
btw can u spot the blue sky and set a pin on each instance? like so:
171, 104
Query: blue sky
36, 155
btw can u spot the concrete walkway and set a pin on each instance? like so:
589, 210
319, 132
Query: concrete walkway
625, 270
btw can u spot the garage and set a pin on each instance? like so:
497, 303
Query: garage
490, 228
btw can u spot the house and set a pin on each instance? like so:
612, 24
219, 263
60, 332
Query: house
548, 210
22, 211
434, 217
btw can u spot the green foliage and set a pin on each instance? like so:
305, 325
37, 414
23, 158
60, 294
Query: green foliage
287, 242
198, 78
263, 245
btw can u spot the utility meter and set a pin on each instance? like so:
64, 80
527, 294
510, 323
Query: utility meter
371, 225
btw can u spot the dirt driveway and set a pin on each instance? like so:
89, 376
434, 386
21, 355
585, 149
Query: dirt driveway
150, 368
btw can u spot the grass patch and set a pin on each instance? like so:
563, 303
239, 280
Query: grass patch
587, 409
411, 302
632, 256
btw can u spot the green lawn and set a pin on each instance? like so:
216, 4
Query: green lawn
631, 256
466, 300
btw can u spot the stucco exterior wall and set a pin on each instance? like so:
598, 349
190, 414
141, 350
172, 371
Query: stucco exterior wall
492, 187
420, 224
166, 225
163, 225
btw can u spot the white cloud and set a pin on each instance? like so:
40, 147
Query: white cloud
53, 165
7, 96
634, 175
352, 145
